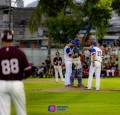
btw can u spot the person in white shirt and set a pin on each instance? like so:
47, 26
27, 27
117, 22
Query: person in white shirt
68, 62
95, 67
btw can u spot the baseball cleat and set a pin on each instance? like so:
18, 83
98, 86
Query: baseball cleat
97, 89
86, 88
80, 85
67, 85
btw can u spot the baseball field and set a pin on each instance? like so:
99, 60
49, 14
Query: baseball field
46, 97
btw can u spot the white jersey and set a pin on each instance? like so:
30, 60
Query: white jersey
98, 52
67, 53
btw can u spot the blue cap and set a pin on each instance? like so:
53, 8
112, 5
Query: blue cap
94, 43
69, 40
76, 42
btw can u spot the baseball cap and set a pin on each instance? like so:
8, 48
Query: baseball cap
76, 42
7, 35
69, 40
94, 43
57, 53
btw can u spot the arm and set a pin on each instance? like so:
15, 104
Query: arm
93, 61
54, 61
93, 52
68, 51
27, 72
88, 48
27, 69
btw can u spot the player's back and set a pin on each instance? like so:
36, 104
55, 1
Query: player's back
98, 54
67, 52
12, 63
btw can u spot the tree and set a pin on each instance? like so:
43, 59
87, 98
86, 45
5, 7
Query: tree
61, 25
98, 12
116, 6
57, 20
48, 8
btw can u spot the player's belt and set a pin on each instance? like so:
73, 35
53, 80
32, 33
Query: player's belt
98, 61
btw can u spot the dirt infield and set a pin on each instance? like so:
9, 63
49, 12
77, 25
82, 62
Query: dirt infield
62, 88
69, 89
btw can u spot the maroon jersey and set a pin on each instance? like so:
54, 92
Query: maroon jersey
13, 63
57, 61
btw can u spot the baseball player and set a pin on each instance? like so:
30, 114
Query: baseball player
95, 67
68, 62
57, 61
14, 67
76, 62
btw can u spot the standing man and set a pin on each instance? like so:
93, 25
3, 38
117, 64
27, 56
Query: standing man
95, 67
68, 62
57, 61
77, 63
14, 67
118, 45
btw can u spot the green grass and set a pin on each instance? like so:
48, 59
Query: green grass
103, 102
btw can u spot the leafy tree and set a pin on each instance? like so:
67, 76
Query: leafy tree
98, 12
48, 8
116, 6
62, 28
61, 25
57, 19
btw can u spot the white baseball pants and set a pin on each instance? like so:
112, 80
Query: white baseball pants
68, 65
97, 71
58, 69
110, 71
12, 91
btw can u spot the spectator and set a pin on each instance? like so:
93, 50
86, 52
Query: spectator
42, 71
106, 56
87, 60
34, 70
103, 71
114, 52
118, 45
112, 59
85, 70
111, 70
106, 68
87, 54
47, 63
51, 71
